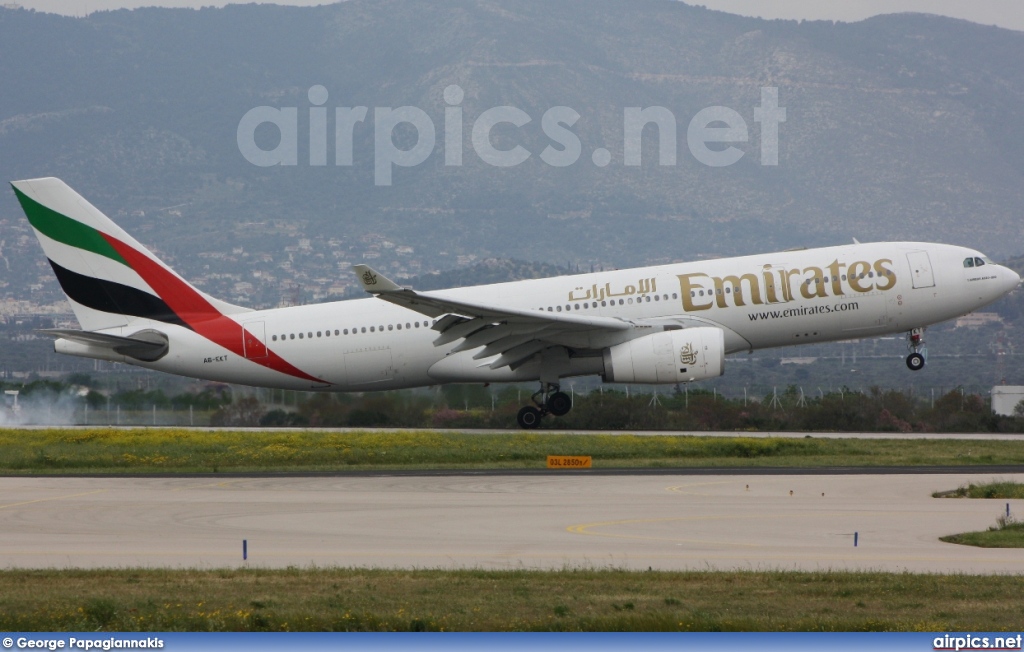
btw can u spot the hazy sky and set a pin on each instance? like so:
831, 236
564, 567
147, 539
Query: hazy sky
1005, 13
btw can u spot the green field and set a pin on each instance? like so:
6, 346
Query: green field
170, 450
594, 600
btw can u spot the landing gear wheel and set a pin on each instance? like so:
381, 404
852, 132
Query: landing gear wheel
559, 404
915, 362
529, 417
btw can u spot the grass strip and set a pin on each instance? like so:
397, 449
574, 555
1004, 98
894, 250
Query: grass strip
1001, 489
1006, 533
163, 450
333, 599
1010, 535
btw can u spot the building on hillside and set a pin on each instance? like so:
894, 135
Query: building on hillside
1005, 399
978, 319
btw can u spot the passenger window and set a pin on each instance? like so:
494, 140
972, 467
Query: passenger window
968, 262
364, 329
274, 338
300, 336
604, 304
398, 326
336, 331
407, 327
391, 327
346, 331
371, 329
318, 334
675, 296
292, 336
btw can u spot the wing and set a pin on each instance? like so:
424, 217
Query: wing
512, 334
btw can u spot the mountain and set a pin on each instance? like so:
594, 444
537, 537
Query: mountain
899, 127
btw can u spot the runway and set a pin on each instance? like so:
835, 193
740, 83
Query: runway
664, 522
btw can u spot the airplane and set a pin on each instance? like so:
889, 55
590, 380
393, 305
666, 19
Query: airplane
667, 324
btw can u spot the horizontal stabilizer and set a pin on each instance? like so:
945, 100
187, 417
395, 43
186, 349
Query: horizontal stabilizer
147, 345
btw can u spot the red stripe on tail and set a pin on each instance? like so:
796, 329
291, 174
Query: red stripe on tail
197, 312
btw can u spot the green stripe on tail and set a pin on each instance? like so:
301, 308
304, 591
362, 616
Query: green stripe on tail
66, 230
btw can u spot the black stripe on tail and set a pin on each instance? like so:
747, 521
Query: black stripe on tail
107, 296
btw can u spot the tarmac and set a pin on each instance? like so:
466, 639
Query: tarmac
505, 520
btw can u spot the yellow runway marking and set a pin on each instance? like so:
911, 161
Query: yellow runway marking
43, 500
679, 487
585, 528
222, 484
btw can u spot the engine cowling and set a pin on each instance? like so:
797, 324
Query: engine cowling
676, 356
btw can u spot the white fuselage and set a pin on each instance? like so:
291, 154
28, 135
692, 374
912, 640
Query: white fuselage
760, 301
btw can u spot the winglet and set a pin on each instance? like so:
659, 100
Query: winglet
373, 281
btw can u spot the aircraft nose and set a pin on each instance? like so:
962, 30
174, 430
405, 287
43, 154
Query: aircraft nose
1012, 279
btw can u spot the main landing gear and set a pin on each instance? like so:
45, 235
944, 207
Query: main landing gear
915, 361
549, 400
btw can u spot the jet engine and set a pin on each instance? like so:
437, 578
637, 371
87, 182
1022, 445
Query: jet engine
676, 356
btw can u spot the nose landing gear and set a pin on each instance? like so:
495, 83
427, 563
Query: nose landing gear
549, 400
915, 342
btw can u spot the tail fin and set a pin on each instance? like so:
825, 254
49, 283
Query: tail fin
107, 275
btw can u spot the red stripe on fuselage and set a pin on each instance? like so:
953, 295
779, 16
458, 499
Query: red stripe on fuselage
197, 312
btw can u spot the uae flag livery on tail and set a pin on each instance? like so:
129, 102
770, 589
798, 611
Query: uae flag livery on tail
111, 280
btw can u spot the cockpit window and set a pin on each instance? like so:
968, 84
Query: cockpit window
978, 262
968, 262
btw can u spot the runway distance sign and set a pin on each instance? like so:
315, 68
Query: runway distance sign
569, 461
